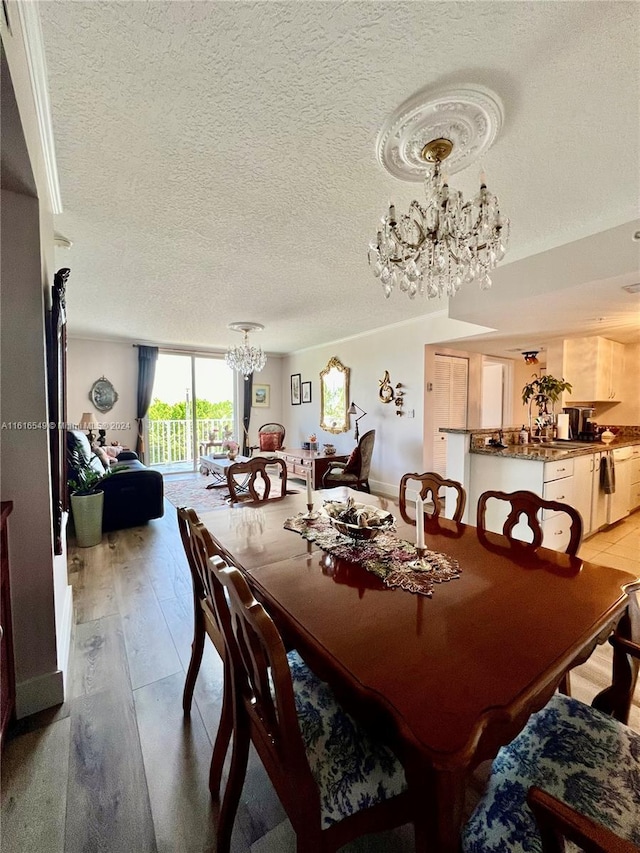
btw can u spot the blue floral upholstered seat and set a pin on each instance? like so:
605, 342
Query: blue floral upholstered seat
335, 780
351, 769
587, 760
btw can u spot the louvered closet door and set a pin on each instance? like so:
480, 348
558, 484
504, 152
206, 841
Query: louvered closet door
450, 401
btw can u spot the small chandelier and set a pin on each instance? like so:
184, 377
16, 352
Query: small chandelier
437, 247
245, 358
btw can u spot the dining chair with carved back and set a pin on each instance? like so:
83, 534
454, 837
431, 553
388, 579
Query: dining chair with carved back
430, 486
335, 781
353, 473
201, 551
574, 772
528, 504
255, 472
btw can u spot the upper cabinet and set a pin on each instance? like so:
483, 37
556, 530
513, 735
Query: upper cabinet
594, 367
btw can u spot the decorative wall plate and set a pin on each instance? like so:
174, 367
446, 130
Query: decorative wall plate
103, 395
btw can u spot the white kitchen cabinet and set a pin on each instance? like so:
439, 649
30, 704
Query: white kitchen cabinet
551, 480
598, 497
582, 485
634, 499
594, 366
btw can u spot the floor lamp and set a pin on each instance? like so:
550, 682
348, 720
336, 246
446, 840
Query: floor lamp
353, 410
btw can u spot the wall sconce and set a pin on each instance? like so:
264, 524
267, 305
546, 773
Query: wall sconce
353, 410
87, 422
531, 357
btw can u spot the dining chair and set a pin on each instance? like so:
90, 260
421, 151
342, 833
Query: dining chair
573, 771
254, 470
430, 485
335, 781
355, 471
530, 505
201, 551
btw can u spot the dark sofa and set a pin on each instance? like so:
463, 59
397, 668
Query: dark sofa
133, 494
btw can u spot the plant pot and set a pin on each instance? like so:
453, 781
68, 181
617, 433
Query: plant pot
231, 454
87, 518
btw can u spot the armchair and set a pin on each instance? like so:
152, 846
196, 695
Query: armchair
355, 471
270, 439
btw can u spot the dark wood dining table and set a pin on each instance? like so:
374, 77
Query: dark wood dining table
446, 680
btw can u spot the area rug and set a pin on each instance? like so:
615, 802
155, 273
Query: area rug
193, 492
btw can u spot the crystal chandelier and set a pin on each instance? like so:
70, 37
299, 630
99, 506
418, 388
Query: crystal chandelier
437, 247
245, 358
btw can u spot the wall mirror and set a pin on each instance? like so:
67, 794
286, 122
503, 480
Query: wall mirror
334, 397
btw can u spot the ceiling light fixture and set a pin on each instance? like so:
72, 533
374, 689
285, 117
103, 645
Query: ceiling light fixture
531, 357
632, 288
245, 358
436, 247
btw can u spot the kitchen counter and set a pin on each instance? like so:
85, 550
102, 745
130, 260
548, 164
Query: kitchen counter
537, 451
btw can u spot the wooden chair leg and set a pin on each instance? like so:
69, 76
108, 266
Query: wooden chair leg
197, 648
237, 773
223, 736
565, 684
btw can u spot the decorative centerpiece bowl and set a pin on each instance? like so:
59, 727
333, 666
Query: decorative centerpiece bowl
356, 520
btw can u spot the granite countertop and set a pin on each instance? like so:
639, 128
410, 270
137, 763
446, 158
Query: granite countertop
549, 453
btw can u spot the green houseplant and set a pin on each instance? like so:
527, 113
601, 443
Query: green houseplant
87, 499
544, 390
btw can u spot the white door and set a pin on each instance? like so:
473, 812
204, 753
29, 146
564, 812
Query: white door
450, 402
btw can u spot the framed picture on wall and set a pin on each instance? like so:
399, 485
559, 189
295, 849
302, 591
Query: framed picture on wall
306, 392
260, 395
295, 389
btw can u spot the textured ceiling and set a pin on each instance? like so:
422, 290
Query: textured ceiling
217, 160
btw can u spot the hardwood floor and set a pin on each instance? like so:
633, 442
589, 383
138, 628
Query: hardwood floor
117, 767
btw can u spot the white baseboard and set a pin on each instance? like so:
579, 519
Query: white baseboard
39, 693
387, 490
64, 635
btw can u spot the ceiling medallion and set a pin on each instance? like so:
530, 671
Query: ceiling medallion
438, 245
245, 358
470, 118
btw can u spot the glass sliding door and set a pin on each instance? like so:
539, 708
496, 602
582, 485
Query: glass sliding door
214, 410
193, 400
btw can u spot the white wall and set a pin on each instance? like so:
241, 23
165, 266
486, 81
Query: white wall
270, 375
25, 460
88, 360
41, 595
400, 349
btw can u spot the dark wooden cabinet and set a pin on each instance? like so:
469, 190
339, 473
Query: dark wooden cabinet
302, 462
7, 679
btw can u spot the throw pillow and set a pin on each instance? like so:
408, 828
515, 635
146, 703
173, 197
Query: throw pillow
354, 462
79, 441
101, 453
269, 440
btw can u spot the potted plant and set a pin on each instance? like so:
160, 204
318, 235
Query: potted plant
542, 390
87, 499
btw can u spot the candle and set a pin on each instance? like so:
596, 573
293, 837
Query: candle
419, 522
309, 495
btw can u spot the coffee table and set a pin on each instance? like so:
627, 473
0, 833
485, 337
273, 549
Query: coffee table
217, 465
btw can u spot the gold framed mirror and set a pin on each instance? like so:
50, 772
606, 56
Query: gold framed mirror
334, 397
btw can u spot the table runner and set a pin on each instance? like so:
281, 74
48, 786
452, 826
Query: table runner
395, 561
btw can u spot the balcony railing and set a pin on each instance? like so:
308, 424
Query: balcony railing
172, 440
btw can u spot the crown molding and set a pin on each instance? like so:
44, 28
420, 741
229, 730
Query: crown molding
34, 51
